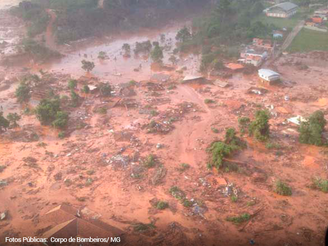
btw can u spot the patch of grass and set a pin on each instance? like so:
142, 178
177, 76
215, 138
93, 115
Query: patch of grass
209, 101
187, 203
177, 193
282, 188
161, 205
234, 198
61, 135
153, 112
320, 184
141, 227
239, 219
102, 110
183, 167
250, 203
215, 130
272, 145
308, 40
90, 172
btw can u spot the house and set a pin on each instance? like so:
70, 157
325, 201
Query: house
281, 10
309, 22
264, 43
268, 75
252, 56
193, 78
317, 19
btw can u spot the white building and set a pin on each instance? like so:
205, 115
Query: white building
282, 10
268, 75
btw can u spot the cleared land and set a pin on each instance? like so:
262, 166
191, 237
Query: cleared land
309, 40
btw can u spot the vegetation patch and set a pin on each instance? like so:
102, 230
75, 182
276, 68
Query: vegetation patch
239, 219
222, 149
320, 184
309, 40
312, 129
260, 128
282, 188
161, 205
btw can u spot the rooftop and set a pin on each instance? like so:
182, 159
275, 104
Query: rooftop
287, 6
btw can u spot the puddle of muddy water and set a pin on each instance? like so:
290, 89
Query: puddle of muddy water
118, 68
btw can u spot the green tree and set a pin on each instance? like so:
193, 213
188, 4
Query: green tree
13, 118
311, 130
260, 128
183, 35
173, 60
23, 92
127, 49
4, 123
47, 110
102, 55
86, 89
105, 89
157, 54
75, 99
72, 83
61, 120
87, 65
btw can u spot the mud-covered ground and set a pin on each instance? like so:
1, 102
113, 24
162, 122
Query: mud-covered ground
99, 167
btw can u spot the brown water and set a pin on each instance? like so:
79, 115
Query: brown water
118, 68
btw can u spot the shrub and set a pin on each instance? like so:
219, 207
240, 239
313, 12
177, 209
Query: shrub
86, 89
141, 227
220, 150
239, 219
13, 118
161, 205
75, 99
320, 184
47, 110
209, 101
72, 83
105, 89
234, 198
311, 130
183, 167
4, 123
23, 92
150, 161
282, 188
215, 130
61, 135
272, 145
243, 124
260, 127
61, 120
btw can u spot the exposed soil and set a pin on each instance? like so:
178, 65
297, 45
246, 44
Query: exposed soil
111, 148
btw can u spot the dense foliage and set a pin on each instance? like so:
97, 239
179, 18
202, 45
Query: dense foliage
23, 92
226, 148
260, 128
49, 113
312, 129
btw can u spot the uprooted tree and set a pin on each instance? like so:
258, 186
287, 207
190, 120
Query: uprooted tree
312, 129
223, 149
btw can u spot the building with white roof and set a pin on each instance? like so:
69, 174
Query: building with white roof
268, 75
282, 10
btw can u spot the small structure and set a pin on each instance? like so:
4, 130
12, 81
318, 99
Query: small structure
193, 78
268, 75
252, 56
282, 10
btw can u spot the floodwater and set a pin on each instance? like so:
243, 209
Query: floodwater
118, 68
